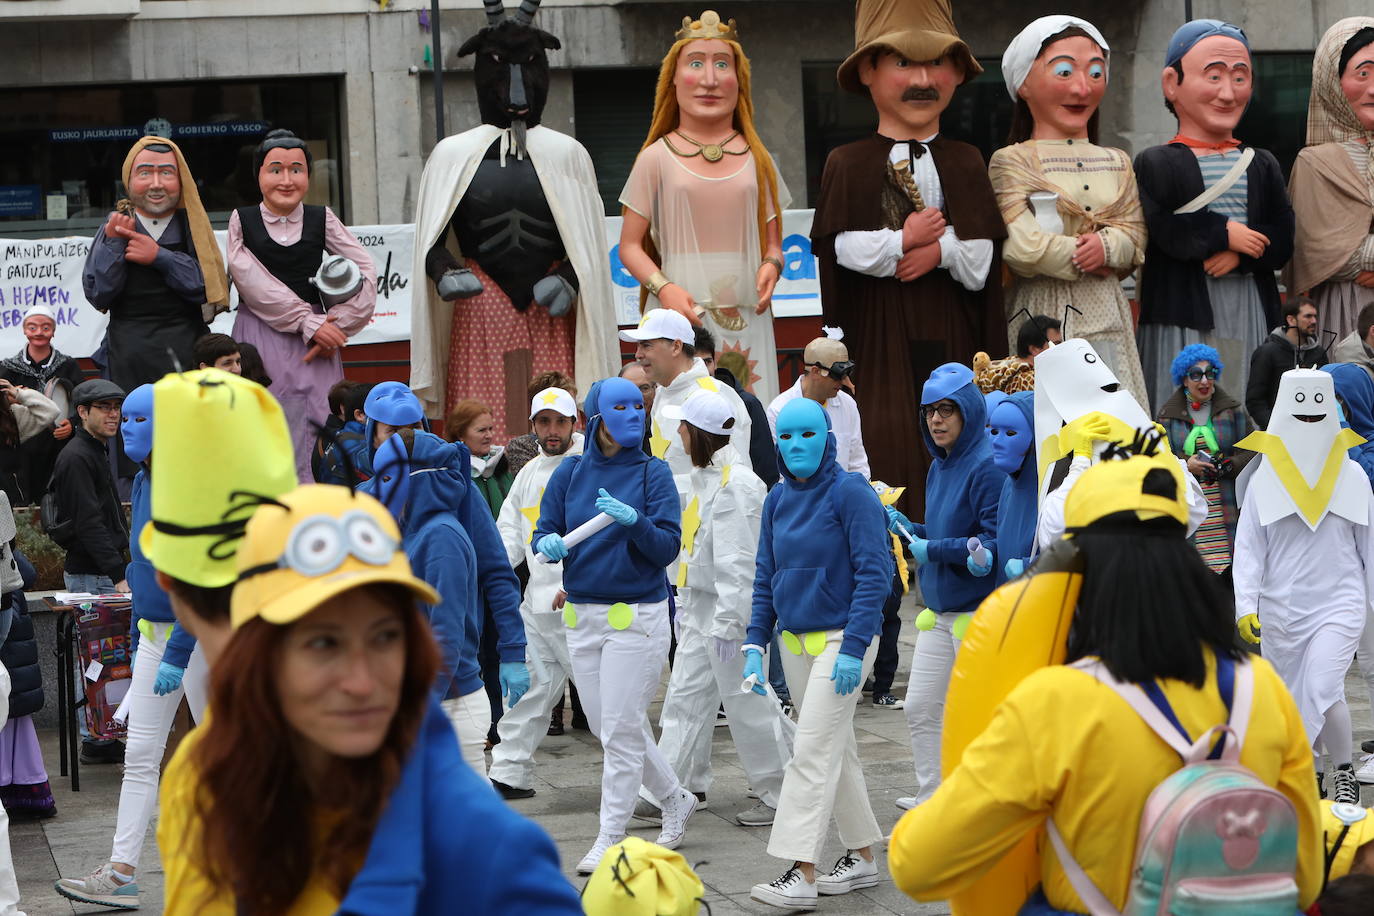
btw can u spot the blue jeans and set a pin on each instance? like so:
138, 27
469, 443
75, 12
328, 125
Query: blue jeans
775, 675
94, 584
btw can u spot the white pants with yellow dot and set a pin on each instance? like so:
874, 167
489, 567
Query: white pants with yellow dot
931, 664
618, 652
824, 775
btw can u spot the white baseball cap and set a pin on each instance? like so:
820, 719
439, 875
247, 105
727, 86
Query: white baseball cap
661, 323
555, 399
40, 311
705, 410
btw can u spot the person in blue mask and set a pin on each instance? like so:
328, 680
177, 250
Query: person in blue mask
617, 602
822, 573
1011, 427
166, 664
963, 487
424, 482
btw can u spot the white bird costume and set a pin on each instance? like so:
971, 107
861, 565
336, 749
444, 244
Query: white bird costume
1303, 544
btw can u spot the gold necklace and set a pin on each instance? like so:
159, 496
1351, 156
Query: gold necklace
711, 152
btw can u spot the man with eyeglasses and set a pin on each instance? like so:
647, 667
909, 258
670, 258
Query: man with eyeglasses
85, 493
1292, 345
827, 368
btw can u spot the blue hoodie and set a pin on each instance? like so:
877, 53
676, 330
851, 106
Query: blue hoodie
618, 563
446, 843
1018, 506
962, 489
1356, 389
452, 543
824, 560
150, 601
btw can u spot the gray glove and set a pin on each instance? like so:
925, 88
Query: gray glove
458, 284
555, 294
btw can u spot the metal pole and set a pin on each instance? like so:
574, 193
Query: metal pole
1187, 10
436, 40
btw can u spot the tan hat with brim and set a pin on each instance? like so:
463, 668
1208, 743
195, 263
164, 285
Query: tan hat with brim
916, 29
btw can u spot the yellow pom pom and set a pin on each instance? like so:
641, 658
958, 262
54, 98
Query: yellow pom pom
814, 643
926, 620
620, 615
569, 615
791, 642
961, 624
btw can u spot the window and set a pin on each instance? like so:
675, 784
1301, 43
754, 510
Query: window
611, 114
980, 113
1277, 117
62, 149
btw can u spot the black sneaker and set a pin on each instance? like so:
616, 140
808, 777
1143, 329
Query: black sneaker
556, 723
97, 751
1367, 746
1344, 787
887, 701
1321, 784
579, 723
511, 792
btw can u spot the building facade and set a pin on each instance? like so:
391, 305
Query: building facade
83, 78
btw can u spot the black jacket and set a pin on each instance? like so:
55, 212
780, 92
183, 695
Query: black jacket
86, 493
1173, 286
1268, 363
762, 455
19, 655
37, 455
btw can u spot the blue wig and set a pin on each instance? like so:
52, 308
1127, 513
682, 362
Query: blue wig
1190, 357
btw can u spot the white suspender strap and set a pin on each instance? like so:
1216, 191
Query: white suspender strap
1222, 186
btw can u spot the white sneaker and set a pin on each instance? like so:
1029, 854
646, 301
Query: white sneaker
906, 802
791, 891
676, 809
100, 888
594, 855
760, 815
851, 872
1365, 773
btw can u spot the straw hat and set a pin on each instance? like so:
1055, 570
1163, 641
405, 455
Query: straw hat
916, 29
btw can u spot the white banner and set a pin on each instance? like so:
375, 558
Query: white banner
48, 271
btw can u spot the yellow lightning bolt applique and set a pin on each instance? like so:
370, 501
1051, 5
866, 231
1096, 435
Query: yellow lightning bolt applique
691, 521
657, 444
532, 513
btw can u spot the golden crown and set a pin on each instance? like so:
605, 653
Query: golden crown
708, 26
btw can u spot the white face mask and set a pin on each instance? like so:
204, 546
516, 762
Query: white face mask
1305, 419
1071, 380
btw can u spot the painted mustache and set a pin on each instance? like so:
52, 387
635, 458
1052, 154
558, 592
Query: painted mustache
921, 94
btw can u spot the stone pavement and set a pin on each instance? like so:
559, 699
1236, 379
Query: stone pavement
730, 859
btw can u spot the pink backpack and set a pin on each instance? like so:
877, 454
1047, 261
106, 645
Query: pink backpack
1213, 839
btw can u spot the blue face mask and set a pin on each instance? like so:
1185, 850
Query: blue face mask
136, 423
621, 408
392, 473
1011, 437
802, 436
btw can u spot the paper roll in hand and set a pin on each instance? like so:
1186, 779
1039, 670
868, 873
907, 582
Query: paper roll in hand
583, 531
977, 551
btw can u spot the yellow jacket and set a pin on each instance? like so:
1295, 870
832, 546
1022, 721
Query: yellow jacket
188, 890
1062, 744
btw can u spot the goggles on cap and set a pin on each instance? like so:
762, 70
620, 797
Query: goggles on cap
839, 370
319, 545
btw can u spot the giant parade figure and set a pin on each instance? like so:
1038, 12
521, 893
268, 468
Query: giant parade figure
509, 230
907, 228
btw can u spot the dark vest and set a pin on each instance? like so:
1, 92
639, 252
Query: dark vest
19, 655
293, 265
146, 294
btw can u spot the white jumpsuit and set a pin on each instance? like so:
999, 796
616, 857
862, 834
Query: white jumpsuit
526, 723
715, 580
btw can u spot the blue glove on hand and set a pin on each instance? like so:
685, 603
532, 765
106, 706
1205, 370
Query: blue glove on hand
920, 550
896, 519
552, 546
168, 678
1015, 567
623, 514
753, 664
980, 571
848, 670
515, 680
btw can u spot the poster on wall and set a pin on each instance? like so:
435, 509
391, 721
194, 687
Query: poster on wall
48, 272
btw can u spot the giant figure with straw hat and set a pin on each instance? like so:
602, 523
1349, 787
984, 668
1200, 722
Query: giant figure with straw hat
907, 228
155, 268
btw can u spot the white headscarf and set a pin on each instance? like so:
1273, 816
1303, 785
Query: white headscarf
1025, 47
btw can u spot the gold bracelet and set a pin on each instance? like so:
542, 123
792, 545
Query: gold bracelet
769, 259
656, 282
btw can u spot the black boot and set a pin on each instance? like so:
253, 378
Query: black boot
556, 720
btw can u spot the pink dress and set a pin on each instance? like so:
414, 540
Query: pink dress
280, 324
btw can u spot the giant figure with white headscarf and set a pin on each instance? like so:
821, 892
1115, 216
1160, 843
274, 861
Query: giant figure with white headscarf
1074, 224
1332, 185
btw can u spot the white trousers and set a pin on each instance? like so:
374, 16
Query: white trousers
931, 664
470, 715
149, 721
526, 723
9, 883
699, 684
1366, 653
824, 775
617, 673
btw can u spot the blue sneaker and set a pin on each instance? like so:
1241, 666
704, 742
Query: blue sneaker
101, 888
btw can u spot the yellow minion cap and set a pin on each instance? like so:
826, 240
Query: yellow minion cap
639, 878
1334, 819
214, 433
320, 541
1115, 486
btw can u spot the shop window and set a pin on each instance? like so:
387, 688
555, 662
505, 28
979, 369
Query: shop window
1277, 117
612, 109
62, 148
980, 114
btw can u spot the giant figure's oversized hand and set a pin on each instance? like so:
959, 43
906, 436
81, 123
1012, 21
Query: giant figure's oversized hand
1221, 263
765, 280
918, 262
140, 248
117, 221
623, 514
846, 674
460, 283
679, 300
555, 294
1090, 255
1244, 240
922, 227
